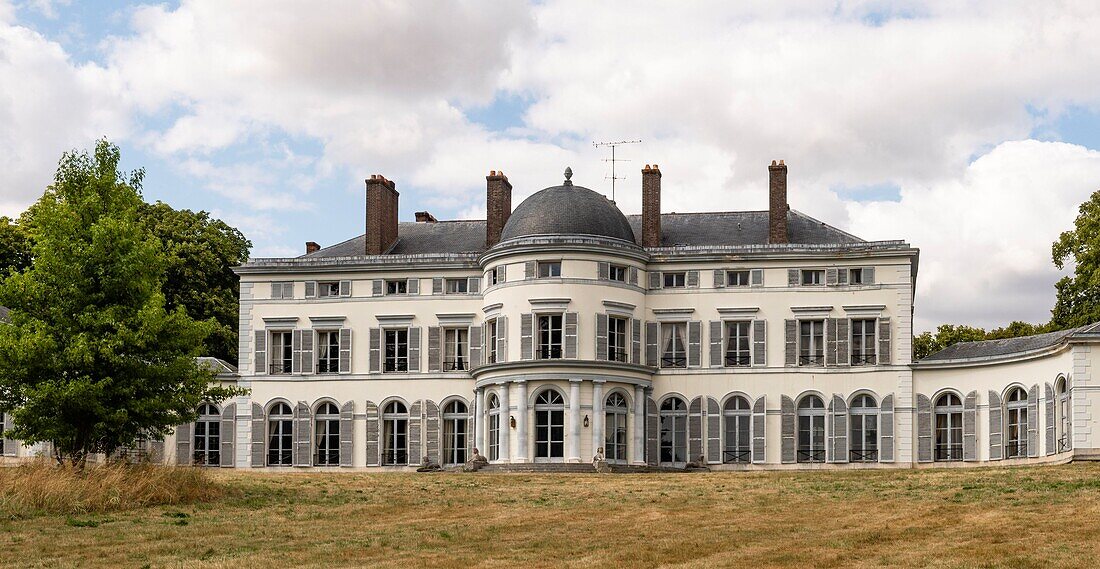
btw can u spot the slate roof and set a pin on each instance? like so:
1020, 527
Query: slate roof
568, 210
986, 349
216, 365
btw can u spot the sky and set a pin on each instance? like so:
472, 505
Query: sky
969, 129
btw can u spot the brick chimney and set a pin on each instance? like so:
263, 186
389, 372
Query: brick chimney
312, 247
498, 205
425, 217
651, 206
381, 214
777, 203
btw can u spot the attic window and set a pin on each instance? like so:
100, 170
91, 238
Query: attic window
457, 286
548, 269
813, 277
675, 280
397, 286
328, 288
737, 278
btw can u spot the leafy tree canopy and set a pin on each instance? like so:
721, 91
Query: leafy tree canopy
15, 247
1078, 301
94, 356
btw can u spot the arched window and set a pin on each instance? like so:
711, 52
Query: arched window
395, 433
1016, 423
1061, 395
207, 449
614, 445
811, 429
863, 415
949, 414
494, 427
549, 425
280, 435
673, 416
327, 433
737, 418
455, 419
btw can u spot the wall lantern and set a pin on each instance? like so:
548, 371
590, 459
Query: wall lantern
512, 421
586, 421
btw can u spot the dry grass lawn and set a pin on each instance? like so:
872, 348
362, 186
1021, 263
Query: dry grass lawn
1027, 517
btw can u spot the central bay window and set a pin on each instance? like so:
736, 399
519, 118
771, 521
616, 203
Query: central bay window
813, 277
282, 352
864, 438
736, 418
1016, 433
207, 436
549, 337
455, 349
549, 425
811, 429
863, 342
280, 435
614, 445
491, 341
326, 429
549, 269
674, 348
738, 343
675, 280
397, 350
1063, 412
395, 434
673, 417
949, 431
811, 342
616, 339
328, 351
494, 427
455, 421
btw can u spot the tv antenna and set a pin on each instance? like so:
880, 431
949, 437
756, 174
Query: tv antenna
613, 160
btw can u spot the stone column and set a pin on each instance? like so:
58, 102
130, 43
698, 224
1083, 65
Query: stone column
598, 425
638, 456
480, 440
521, 422
505, 424
573, 453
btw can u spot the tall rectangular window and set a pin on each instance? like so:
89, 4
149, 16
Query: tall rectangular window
616, 339
328, 351
549, 336
397, 350
491, 341
863, 342
811, 342
738, 344
674, 344
737, 278
282, 353
813, 277
455, 346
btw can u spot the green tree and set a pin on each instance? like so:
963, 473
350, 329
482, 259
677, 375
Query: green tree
93, 357
1078, 300
15, 247
946, 335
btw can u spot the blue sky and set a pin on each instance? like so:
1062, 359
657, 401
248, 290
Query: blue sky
938, 124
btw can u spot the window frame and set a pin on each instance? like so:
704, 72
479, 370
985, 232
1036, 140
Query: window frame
455, 439
947, 441
549, 426
738, 358
678, 279
863, 412
456, 285
491, 327
746, 273
1015, 418
618, 341
616, 444
1063, 411
738, 411
816, 277
395, 433
328, 289
493, 404
326, 435
208, 453
812, 355
396, 363
280, 428
328, 353
617, 273
811, 430
674, 359
865, 337
552, 269
546, 348
853, 280
282, 365
458, 347
672, 435
402, 284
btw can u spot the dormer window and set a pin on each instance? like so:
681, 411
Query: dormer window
675, 280
813, 277
549, 269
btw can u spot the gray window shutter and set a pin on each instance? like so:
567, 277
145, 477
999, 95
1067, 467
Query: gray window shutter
787, 424
1033, 421
883, 341
654, 280
437, 285
345, 350
651, 344
260, 351
435, 360
601, 336
693, 279
716, 343
759, 436
924, 428
311, 289
183, 444
603, 271
843, 356
792, 277
307, 351
228, 435
633, 276
296, 352
474, 285
414, 349
840, 429
719, 278
995, 446
416, 411
970, 427
714, 431
376, 288
886, 429
830, 276
1050, 419
760, 343
413, 287
502, 339
790, 332
651, 426
695, 340
695, 428
475, 346
502, 273
431, 431
756, 277
375, 364
374, 457
303, 433
830, 341
868, 275
347, 431
526, 348
529, 270
571, 335
345, 288
259, 434
842, 276
636, 341
276, 290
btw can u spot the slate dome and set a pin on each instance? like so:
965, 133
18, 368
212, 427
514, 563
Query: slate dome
567, 210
